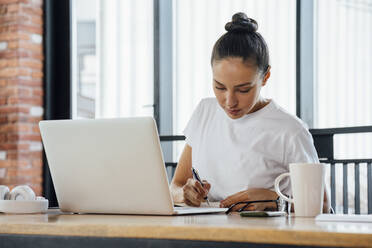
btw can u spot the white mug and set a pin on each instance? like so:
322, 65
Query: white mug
307, 181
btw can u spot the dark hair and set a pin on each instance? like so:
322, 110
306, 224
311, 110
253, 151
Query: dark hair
243, 41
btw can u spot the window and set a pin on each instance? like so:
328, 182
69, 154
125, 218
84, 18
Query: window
343, 61
113, 58
198, 25
343, 77
343, 82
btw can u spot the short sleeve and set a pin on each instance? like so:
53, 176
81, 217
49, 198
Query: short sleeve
300, 149
192, 130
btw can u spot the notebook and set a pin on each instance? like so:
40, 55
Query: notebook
110, 166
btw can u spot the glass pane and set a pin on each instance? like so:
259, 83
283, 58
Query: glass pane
84, 58
112, 58
343, 62
343, 83
198, 25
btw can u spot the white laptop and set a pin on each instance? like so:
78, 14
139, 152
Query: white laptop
112, 166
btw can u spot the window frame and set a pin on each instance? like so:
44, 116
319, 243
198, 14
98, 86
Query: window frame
58, 68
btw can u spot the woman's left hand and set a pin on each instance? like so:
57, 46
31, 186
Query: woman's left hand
251, 195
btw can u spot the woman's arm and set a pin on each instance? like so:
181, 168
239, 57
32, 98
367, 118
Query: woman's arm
182, 173
326, 205
183, 187
251, 195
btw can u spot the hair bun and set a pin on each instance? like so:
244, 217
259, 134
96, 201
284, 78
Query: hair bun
241, 24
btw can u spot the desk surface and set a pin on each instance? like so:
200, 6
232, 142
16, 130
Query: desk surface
218, 227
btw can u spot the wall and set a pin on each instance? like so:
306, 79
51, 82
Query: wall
21, 92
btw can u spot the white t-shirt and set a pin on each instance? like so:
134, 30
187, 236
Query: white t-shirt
249, 152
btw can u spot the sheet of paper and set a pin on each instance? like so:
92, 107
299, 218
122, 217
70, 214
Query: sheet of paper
203, 205
345, 217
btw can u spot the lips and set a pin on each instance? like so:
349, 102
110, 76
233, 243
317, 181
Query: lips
233, 111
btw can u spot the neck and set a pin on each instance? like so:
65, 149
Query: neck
261, 103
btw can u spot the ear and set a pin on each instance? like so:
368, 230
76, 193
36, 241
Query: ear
4, 192
22, 192
266, 76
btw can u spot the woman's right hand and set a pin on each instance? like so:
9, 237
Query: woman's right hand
194, 193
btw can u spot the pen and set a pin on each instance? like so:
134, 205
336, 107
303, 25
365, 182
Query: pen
196, 177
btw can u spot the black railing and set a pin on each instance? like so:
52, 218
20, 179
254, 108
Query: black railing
323, 141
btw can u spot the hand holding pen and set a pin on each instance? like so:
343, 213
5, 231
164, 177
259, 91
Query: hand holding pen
195, 190
196, 177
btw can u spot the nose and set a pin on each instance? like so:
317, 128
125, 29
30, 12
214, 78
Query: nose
231, 100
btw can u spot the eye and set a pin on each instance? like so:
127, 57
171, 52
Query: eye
219, 88
245, 91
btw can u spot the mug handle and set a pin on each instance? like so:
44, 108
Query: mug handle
277, 189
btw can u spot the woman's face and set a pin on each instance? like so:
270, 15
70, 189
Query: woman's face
237, 86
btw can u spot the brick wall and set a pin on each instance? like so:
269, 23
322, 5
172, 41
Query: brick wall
21, 92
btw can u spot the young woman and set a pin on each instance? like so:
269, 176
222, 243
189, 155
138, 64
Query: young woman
239, 142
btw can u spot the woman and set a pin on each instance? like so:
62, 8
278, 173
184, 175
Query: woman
239, 141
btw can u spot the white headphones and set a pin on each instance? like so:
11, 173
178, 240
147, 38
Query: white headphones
21, 192
21, 200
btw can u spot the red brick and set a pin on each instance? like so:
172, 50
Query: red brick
23, 172
13, 54
11, 172
22, 128
34, 64
24, 92
34, 55
13, 109
3, 100
11, 72
13, 44
3, 9
37, 74
27, 45
8, 54
13, 8
14, 36
10, 28
24, 82
37, 20
23, 118
13, 163
8, 91
35, 129
3, 119
17, 180
5, 163
14, 72
37, 162
32, 11
3, 138
8, 1
38, 91
25, 155
15, 92
23, 28
13, 19
9, 63
14, 146
8, 109
25, 100
9, 128
23, 137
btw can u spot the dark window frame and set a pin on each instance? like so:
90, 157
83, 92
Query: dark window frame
57, 73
